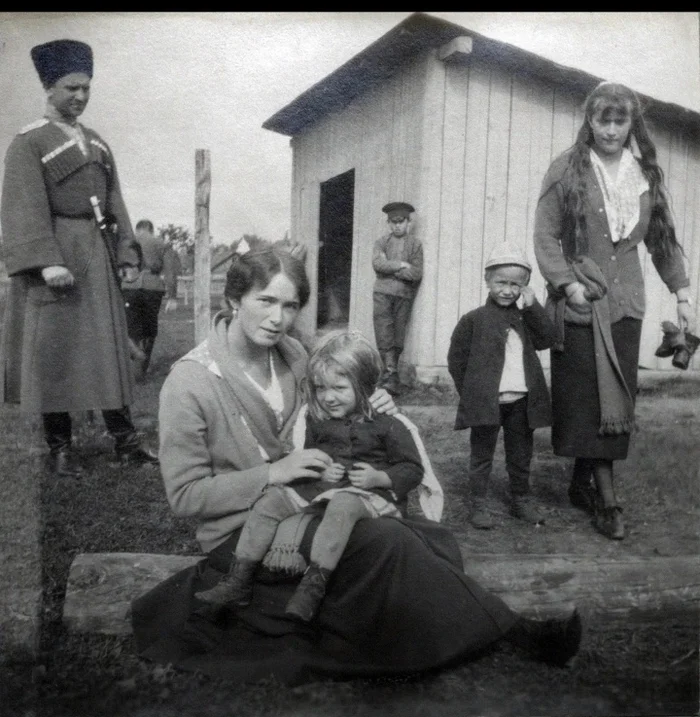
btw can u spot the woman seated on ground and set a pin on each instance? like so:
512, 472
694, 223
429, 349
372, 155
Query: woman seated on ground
398, 601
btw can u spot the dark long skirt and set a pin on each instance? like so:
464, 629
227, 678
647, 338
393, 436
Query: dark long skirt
398, 603
575, 400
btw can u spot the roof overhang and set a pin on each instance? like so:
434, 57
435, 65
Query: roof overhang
416, 34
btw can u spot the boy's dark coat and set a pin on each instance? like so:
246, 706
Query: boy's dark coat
477, 354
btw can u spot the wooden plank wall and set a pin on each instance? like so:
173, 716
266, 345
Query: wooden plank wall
501, 131
493, 165
377, 135
469, 146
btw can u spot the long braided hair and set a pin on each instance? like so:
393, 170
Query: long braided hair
661, 236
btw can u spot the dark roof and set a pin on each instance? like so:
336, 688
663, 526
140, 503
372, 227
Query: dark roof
420, 32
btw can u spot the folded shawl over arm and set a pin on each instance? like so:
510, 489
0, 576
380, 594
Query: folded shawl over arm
583, 425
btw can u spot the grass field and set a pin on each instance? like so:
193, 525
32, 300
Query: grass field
649, 669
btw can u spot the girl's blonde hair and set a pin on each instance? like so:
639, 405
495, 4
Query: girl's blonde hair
349, 354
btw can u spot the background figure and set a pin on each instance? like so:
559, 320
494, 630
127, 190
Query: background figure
599, 200
398, 263
143, 294
65, 345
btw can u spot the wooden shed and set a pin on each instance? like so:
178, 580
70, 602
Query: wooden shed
463, 127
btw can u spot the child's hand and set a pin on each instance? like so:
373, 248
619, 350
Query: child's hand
307, 463
528, 295
362, 475
334, 472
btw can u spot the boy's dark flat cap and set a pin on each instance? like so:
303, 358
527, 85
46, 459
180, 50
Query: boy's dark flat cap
398, 209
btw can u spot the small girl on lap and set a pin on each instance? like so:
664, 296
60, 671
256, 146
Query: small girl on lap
374, 465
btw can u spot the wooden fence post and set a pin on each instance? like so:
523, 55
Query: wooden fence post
202, 256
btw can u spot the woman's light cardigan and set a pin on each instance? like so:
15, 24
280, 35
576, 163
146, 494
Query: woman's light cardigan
210, 462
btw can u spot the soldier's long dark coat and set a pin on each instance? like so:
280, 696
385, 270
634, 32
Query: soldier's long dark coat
62, 350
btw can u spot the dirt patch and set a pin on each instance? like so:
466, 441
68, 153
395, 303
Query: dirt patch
657, 486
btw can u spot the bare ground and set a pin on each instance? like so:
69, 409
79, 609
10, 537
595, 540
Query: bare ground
621, 670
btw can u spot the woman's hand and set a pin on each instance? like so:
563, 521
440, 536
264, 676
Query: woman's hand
576, 293
334, 472
686, 317
382, 402
309, 463
362, 475
57, 277
576, 297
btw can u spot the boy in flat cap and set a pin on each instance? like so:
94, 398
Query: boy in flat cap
64, 345
397, 260
493, 361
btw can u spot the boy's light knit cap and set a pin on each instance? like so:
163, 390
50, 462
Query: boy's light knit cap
505, 253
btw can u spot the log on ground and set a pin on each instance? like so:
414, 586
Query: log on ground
627, 586
101, 586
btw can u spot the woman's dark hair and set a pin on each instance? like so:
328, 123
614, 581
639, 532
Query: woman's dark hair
661, 237
258, 265
349, 354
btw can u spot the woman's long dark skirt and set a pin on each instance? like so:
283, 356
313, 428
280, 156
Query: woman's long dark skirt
575, 400
398, 603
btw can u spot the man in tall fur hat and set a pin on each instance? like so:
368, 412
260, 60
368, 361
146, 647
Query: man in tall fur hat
64, 345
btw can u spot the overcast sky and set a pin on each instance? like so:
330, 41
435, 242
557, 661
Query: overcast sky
166, 84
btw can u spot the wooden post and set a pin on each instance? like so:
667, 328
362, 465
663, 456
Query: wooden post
202, 255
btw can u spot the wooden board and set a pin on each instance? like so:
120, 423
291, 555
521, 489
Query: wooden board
551, 584
101, 586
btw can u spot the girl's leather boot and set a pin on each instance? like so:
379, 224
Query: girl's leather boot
305, 602
235, 588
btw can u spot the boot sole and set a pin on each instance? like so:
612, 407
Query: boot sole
298, 617
227, 603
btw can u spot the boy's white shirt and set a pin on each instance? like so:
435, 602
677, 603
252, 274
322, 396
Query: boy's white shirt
430, 493
513, 376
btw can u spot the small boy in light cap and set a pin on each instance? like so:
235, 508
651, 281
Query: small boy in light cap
397, 260
493, 362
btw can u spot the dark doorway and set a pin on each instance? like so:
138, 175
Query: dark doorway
335, 250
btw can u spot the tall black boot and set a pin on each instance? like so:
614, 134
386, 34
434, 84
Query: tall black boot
143, 360
138, 358
391, 383
683, 354
307, 598
235, 588
673, 340
583, 493
385, 372
62, 459
147, 345
127, 444
552, 641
